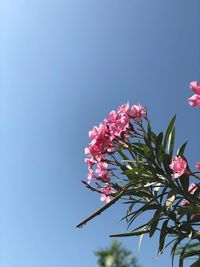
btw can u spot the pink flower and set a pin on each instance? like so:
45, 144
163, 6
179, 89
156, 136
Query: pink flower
90, 163
123, 108
179, 166
118, 121
184, 202
195, 86
101, 141
93, 134
194, 101
103, 172
106, 192
90, 175
101, 168
137, 112
192, 189
197, 165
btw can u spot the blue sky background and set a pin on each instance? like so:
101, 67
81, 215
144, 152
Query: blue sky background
63, 66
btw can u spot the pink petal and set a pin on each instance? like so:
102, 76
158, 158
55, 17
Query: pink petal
194, 101
195, 86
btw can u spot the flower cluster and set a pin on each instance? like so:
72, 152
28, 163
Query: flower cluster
114, 134
108, 138
195, 99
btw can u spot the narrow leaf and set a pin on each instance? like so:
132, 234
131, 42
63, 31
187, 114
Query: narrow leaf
154, 222
181, 150
166, 160
163, 234
130, 234
169, 130
171, 142
184, 180
159, 147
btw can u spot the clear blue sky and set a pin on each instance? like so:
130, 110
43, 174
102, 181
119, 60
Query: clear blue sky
63, 66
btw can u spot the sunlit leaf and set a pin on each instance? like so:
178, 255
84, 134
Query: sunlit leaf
170, 198
171, 142
141, 238
168, 131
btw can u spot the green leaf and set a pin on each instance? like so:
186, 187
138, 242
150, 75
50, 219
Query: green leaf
163, 194
181, 150
123, 167
149, 132
141, 193
135, 214
168, 131
184, 181
138, 144
166, 160
147, 151
190, 254
159, 144
146, 207
173, 250
125, 158
163, 234
139, 150
134, 171
171, 142
181, 260
132, 174
153, 137
189, 210
189, 250
130, 234
159, 139
196, 264
154, 222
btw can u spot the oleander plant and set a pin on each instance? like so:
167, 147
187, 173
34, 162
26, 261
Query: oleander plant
127, 160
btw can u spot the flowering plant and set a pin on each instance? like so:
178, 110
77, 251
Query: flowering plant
127, 160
